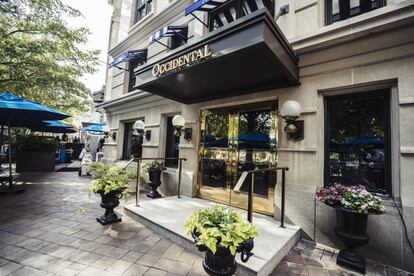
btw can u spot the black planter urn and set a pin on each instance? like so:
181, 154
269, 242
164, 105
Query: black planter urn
109, 201
154, 176
223, 263
351, 229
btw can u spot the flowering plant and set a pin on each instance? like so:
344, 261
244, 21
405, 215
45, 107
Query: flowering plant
355, 198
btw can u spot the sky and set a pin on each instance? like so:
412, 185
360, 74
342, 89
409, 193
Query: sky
97, 18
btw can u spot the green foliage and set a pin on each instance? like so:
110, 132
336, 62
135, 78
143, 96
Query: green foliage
154, 165
220, 226
112, 179
31, 143
100, 169
40, 57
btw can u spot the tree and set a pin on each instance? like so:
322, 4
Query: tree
40, 58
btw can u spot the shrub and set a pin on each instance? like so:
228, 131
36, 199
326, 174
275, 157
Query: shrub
32, 143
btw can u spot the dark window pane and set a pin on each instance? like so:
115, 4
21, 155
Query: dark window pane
337, 10
171, 145
142, 8
132, 146
132, 65
358, 141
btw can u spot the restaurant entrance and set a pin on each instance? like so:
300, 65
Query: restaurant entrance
233, 140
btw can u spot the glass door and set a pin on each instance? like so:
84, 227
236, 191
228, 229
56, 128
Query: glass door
232, 141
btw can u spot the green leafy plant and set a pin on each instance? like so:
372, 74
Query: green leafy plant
32, 143
100, 168
112, 179
219, 226
154, 165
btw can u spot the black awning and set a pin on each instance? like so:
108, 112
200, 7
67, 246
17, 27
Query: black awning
250, 54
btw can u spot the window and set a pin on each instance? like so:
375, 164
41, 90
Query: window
132, 65
357, 135
337, 10
132, 146
142, 8
171, 145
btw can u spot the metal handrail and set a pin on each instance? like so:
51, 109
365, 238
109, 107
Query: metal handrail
180, 159
251, 189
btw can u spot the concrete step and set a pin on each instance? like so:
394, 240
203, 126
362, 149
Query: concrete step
167, 216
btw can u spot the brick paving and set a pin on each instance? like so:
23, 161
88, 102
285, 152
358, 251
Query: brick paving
43, 232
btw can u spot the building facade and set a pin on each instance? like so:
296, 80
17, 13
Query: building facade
228, 68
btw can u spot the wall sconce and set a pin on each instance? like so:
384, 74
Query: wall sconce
178, 122
107, 132
290, 112
139, 125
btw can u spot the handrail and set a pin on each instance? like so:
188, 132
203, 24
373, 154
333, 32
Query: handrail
251, 189
180, 159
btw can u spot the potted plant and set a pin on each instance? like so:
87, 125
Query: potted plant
35, 154
353, 204
154, 170
110, 185
221, 233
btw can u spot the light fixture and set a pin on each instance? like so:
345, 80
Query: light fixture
139, 126
107, 132
290, 112
178, 122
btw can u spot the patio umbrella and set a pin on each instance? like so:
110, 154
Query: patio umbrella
55, 127
97, 128
16, 111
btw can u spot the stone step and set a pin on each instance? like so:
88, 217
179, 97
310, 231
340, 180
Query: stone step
167, 216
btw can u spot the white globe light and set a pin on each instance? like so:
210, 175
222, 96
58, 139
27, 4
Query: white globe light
139, 125
178, 121
290, 110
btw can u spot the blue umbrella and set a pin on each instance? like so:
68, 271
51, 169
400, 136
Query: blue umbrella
96, 128
56, 127
16, 111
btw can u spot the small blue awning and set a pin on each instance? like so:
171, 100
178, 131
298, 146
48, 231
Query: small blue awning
140, 54
169, 31
202, 5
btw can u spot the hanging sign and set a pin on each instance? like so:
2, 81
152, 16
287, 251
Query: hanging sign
182, 61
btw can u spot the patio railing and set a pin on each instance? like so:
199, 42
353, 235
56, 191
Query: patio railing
251, 189
138, 160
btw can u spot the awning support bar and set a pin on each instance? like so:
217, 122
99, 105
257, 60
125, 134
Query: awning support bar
202, 22
165, 45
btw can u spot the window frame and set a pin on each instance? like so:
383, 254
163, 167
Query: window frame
143, 6
386, 93
169, 133
329, 17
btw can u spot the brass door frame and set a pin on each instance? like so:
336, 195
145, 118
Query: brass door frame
262, 204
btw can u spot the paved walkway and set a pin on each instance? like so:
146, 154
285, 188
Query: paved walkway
43, 232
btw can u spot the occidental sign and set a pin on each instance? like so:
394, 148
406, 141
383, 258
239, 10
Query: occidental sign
182, 61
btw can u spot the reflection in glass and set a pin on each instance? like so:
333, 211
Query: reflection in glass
357, 129
132, 146
216, 130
